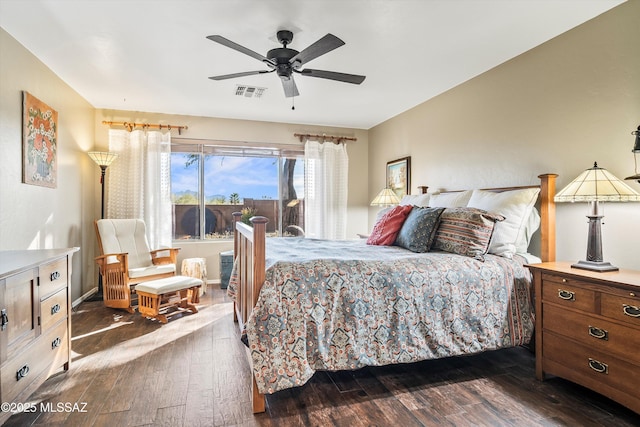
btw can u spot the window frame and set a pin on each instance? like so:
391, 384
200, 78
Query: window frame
281, 152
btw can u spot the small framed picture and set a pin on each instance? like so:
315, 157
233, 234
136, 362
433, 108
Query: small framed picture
399, 176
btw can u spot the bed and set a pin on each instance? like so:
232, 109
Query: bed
305, 304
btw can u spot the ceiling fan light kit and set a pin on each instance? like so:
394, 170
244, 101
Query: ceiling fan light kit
285, 61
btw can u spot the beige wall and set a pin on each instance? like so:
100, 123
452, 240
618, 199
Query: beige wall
557, 108
33, 217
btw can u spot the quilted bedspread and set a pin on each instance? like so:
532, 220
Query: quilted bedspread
336, 305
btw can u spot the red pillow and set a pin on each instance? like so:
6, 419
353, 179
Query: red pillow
386, 229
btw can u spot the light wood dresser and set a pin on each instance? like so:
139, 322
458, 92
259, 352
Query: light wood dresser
588, 329
35, 321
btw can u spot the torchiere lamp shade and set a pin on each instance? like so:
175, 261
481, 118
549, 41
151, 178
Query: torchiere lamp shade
102, 158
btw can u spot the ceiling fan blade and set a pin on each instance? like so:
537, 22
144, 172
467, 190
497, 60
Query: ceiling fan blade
332, 75
289, 86
246, 73
235, 46
320, 47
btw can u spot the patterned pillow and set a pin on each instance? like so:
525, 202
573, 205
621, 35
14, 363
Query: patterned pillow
466, 231
515, 206
387, 227
419, 229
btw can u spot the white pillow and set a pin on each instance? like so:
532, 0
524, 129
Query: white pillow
421, 200
450, 200
515, 206
531, 226
383, 211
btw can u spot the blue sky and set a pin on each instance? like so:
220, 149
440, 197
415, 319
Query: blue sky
250, 177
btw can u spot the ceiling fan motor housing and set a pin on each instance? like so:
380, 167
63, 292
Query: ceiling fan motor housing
281, 57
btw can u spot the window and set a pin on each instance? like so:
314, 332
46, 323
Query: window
209, 182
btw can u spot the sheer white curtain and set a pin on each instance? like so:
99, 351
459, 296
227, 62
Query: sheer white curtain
326, 185
139, 184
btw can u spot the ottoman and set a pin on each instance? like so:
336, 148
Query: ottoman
162, 298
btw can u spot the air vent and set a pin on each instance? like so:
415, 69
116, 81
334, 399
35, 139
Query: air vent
250, 91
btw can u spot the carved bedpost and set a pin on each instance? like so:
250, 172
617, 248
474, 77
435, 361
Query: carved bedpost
548, 217
236, 218
236, 248
259, 240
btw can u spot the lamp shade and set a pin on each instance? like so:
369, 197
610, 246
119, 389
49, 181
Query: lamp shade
597, 185
102, 158
386, 197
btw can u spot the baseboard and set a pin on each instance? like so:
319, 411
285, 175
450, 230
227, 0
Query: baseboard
84, 297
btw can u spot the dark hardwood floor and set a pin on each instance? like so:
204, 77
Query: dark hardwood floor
130, 371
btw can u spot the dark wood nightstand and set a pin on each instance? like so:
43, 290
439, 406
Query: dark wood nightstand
588, 329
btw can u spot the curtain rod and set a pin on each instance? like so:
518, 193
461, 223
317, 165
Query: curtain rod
336, 139
131, 126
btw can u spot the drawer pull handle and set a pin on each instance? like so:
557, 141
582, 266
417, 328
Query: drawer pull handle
55, 275
596, 332
56, 343
55, 309
22, 372
566, 295
5, 319
599, 367
631, 310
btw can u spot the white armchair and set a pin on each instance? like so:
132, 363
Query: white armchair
127, 260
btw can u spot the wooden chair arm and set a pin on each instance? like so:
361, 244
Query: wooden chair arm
122, 262
172, 258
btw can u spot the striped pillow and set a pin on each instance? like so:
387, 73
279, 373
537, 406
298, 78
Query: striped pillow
466, 231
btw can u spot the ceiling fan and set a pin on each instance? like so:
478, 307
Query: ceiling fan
285, 61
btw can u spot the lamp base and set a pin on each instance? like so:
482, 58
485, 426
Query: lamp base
600, 266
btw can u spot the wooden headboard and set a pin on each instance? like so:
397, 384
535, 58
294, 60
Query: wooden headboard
547, 208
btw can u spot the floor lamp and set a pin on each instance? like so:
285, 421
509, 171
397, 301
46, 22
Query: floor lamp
102, 159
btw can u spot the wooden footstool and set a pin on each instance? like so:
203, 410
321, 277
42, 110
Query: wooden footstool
161, 298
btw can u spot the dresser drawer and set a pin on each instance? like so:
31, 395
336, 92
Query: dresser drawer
53, 276
625, 309
48, 352
53, 309
568, 292
596, 333
594, 369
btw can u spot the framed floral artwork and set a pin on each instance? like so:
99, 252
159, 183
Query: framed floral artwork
39, 142
399, 176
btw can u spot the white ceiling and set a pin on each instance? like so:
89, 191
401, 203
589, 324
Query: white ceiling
152, 56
